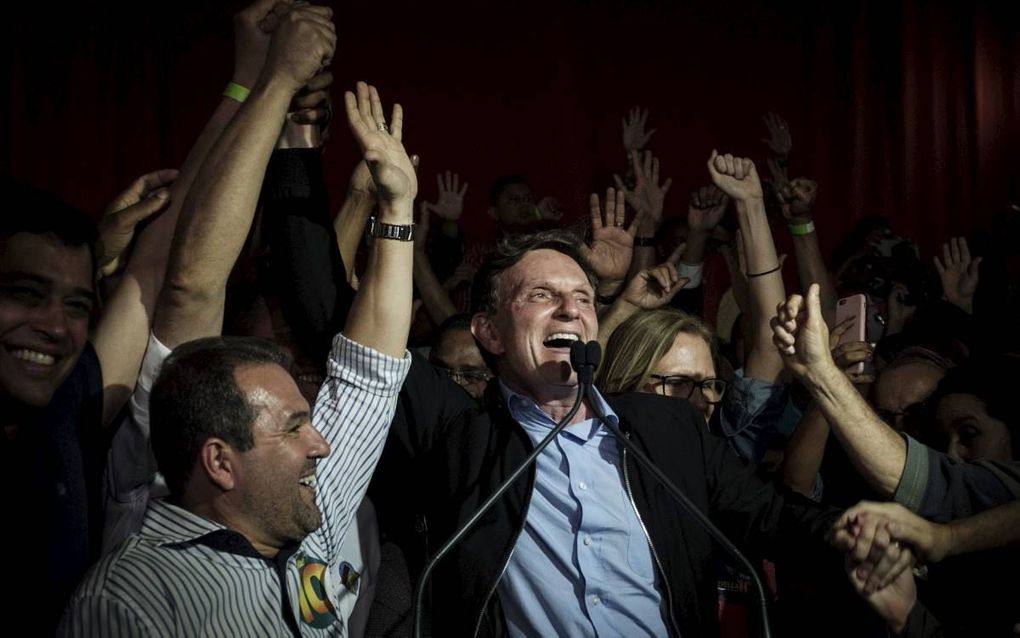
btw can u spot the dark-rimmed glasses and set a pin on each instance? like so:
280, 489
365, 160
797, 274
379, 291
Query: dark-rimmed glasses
679, 386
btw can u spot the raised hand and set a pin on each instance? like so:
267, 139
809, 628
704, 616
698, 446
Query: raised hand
797, 198
450, 204
612, 245
779, 140
253, 28
959, 273
147, 195
708, 204
648, 196
800, 333
848, 355
302, 44
634, 135
736, 176
656, 286
312, 104
392, 171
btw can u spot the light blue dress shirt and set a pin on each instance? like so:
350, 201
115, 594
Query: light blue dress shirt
582, 565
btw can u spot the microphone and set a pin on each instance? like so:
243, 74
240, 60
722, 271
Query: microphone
593, 352
584, 358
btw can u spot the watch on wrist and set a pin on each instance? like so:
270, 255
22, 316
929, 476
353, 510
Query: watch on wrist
382, 230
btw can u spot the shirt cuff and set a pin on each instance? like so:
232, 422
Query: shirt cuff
693, 272
367, 369
914, 481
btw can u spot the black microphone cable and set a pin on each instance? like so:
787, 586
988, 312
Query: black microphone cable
580, 361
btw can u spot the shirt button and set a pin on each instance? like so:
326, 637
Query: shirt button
595, 600
587, 540
582, 485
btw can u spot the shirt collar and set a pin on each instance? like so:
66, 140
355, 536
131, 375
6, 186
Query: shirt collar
525, 411
168, 524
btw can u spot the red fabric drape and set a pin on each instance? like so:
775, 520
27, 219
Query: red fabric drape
905, 108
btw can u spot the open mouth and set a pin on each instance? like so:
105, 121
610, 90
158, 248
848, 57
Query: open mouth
560, 340
308, 481
33, 356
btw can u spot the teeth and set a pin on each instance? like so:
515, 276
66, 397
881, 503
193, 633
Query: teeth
34, 357
308, 481
559, 336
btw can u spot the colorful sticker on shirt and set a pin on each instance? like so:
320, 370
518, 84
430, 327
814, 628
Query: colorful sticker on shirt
350, 577
316, 610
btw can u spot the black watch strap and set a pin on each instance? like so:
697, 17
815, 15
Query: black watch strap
400, 232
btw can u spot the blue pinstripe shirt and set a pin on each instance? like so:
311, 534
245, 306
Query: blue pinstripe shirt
184, 575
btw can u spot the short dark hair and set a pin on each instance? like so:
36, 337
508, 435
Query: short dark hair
196, 397
30, 210
500, 183
485, 288
510, 250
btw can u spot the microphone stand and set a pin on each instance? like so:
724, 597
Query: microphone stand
697, 514
578, 353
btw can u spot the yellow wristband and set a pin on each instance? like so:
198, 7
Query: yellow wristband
236, 92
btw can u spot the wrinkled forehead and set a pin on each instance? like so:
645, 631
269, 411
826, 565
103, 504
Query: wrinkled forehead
543, 267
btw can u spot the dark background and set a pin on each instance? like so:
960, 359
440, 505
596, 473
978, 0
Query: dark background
906, 108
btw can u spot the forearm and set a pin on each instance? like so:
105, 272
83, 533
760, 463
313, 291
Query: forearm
611, 319
122, 332
217, 215
350, 226
803, 455
380, 316
694, 251
433, 296
765, 291
811, 269
876, 450
996, 527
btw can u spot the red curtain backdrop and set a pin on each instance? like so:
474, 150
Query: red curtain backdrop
910, 109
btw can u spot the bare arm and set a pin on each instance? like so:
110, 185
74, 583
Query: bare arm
380, 316
353, 215
220, 207
797, 199
437, 303
122, 332
876, 450
647, 199
738, 178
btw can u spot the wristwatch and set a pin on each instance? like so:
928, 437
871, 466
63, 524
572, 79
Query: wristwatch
400, 232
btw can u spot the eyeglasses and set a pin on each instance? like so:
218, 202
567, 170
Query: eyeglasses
674, 385
467, 375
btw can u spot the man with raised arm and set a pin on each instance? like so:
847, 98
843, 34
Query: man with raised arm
263, 491
587, 542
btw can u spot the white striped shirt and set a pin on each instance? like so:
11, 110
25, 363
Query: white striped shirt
167, 580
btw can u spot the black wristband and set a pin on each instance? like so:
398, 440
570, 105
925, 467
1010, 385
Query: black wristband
767, 272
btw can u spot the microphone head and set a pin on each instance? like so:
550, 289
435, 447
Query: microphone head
593, 354
578, 355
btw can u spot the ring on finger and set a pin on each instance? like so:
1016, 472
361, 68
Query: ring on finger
382, 127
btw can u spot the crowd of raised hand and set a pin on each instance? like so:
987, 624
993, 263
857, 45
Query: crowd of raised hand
891, 432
